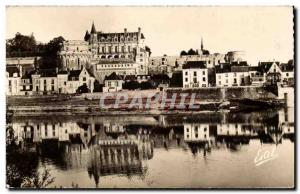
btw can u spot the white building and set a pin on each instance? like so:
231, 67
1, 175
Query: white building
113, 83
194, 132
234, 74
195, 74
12, 80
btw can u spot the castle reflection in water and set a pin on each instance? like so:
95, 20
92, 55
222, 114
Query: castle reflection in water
121, 145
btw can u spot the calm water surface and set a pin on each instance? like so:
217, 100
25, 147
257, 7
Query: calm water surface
195, 151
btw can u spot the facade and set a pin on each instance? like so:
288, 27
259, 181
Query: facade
196, 132
12, 81
195, 74
63, 82
234, 74
124, 53
75, 54
113, 83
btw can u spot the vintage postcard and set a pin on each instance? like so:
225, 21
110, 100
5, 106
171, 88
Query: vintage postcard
150, 97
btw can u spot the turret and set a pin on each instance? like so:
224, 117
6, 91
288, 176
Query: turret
87, 36
93, 34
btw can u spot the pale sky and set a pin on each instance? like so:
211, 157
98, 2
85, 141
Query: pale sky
264, 33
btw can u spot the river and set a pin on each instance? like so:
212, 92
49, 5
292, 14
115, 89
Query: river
208, 150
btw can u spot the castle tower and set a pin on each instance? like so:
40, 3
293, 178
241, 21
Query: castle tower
93, 35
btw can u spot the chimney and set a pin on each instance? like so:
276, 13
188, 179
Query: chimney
139, 33
125, 30
21, 70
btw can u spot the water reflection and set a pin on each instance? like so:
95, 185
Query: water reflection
121, 146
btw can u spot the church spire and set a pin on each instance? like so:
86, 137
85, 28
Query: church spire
93, 30
202, 44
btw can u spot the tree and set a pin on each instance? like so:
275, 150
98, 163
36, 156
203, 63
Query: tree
192, 52
146, 86
97, 86
176, 80
182, 53
50, 58
132, 85
83, 89
21, 45
54, 46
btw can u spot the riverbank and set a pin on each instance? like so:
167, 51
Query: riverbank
90, 103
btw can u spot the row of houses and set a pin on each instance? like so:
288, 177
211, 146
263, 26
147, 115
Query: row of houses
196, 74
48, 81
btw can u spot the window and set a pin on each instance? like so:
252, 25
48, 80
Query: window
226, 81
9, 82
219, 76
109, 84
195, 73
116, 48
186, 73
205, 129
234, 80
84, 79
203, 72
65, 83
45, 81
226, 74
204, 79
103, 49
52, 88
186, 79
109, 49
122, 48
195, 80
129, 49
234, 74
187, 129
52, 81
220, 83
287, 74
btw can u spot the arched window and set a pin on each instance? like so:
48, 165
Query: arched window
103, 57
116, 56
109, 57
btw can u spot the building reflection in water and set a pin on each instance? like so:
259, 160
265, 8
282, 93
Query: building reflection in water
113, 148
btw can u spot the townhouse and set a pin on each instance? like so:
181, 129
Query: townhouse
195, 74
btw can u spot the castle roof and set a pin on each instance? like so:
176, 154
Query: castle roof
93, 30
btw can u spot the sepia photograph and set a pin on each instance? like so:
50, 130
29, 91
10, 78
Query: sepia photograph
150, 97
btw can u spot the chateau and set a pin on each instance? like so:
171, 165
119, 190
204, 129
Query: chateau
124, 53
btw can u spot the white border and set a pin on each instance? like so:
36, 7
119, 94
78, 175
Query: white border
4, 3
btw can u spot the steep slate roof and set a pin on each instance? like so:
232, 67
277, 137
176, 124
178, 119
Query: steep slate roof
90, 72
194, 65
11, 70
285, 67
239, 68
255, 68
223, 68
113, 76
267, 65
130, 77
93, 30
240, 63
47, 72
160, 77
74, 75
